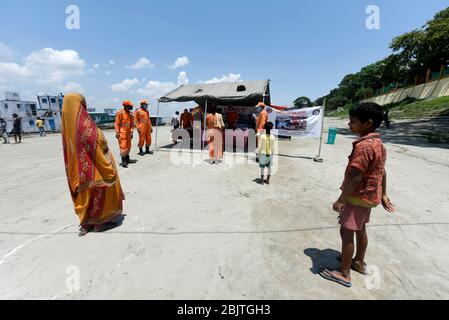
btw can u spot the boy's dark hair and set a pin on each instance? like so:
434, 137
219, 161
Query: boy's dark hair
368, 111
219, 110
269, 126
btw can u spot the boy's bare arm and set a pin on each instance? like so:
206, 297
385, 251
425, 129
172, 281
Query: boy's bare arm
386, 202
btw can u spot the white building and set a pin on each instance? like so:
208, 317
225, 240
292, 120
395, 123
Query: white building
50, 108
27, 110
47, 108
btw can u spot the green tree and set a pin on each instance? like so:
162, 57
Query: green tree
302, 102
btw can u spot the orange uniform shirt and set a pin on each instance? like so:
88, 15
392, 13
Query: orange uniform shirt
262, 120
143, 120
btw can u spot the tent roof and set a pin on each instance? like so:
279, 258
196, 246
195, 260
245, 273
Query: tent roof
241, 93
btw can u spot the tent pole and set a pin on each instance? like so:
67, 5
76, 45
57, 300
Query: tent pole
204, 126
157, 125
318, 157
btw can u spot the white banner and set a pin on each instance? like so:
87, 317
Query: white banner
305, 122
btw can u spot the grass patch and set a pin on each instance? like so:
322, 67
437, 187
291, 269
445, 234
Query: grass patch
420, 109
409, 108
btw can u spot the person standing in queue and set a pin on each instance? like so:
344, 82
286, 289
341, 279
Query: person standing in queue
144, 127
261, 121
17, 128
124, 127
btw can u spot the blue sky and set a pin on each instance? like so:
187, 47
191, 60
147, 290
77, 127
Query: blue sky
304, 47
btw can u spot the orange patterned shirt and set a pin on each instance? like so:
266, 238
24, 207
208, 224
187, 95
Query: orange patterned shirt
369, 156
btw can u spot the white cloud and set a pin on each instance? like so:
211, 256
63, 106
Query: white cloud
47, 66
156, 89
141, 64
6, 53
96, 66
180, 62
182, 78
111, 62
72, 87
125, 85
226, 78
107, 73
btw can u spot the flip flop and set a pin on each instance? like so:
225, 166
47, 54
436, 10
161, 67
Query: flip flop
329, 276
355, 269
83, 231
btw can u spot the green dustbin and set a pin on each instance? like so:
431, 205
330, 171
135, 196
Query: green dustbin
332, 135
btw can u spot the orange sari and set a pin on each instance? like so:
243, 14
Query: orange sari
215, 147
90, 167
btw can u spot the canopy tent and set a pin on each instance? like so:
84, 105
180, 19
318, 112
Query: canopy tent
242, 94
247, 93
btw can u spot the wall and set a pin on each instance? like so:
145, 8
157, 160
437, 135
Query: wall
432, 89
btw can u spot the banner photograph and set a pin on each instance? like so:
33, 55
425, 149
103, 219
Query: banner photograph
305, 122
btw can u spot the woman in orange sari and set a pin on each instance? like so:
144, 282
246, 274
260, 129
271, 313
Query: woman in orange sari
90, 167
214, 135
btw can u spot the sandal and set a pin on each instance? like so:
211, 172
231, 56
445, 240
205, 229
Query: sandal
355, 267
106, 226
328, 275
83, 231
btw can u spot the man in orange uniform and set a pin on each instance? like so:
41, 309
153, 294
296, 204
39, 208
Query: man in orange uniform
187, 121
144, 127
261, 121
124, 127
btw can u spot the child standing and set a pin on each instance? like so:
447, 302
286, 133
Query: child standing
265, 151
364, 188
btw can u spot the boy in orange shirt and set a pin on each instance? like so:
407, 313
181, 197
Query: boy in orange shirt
364, 188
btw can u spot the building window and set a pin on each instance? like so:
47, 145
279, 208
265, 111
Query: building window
33, 109
19, 106
6, 106
44, 101
53, 100
31, 123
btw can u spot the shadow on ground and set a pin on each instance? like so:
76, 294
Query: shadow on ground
411, 132
322, 258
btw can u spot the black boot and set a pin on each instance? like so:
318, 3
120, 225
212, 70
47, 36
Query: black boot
124, 163
147, 151
130, 161
141, 153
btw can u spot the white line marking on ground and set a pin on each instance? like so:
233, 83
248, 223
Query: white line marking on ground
13, 251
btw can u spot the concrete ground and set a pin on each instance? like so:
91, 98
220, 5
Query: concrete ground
211, 232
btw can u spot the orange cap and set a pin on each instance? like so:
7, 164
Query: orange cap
144, 102
261, 104
127, 103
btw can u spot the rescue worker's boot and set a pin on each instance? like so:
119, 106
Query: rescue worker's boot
141, 153
130, 161
124, 163
148, 151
